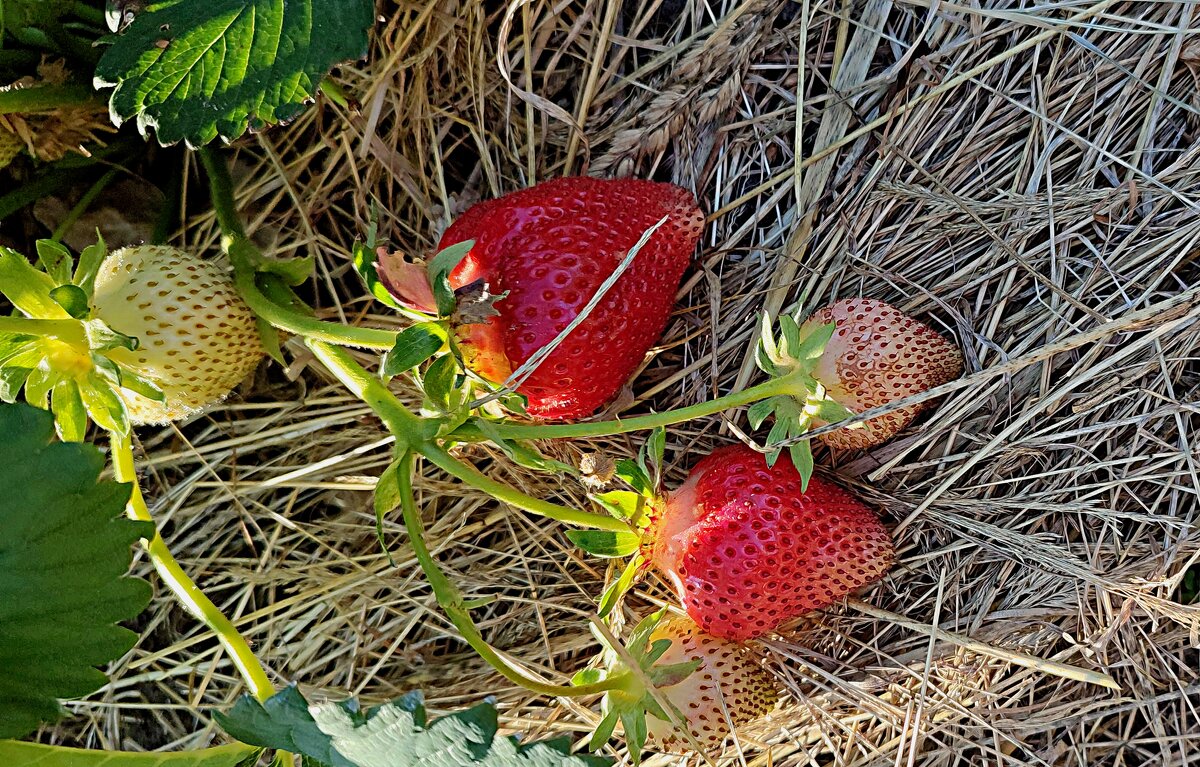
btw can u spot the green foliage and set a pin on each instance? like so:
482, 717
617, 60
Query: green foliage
64, 553
195, 70
17, 754
396, 734
605, 543
414, 345
1189, 588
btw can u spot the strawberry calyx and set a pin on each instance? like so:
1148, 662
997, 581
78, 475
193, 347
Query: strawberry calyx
636, 679
791, 359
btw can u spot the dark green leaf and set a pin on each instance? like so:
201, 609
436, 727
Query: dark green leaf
15, 753
70, 417
414, 345
56, 261
605, 543
194, 71
72, 299
63, 557
396, 734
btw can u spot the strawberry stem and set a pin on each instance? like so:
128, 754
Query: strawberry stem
245, 256
413, 432
183, 587
787, 384
451, 602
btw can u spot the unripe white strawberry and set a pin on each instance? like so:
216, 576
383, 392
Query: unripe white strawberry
197, 337
727, 687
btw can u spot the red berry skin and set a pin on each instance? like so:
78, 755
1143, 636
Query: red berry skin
747, 551
878, 354
551, 247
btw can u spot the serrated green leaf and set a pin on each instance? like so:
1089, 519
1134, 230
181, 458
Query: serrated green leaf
605, 543
70, 416
802, 459
55, 261
72, 299
15, 753
396, 734
439, 380
63, 557
28, 288
194, 71
414, 345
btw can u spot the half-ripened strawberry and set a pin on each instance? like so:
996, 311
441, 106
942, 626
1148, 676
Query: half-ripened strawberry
747, 549
878, 354
546, 251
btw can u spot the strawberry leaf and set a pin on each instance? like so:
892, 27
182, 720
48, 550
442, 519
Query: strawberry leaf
607, 544
395, 734
63, 557
196, 71
414, 345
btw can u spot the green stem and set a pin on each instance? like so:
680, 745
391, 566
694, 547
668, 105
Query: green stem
502, 492
84, 203
245, 257
417, 434
450, 600
184, 589
772, 388
41, 98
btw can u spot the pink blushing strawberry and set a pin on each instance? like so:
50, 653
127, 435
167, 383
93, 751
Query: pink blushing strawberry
747, 550
878, 355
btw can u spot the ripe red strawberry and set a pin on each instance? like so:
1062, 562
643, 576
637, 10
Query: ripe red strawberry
550, 247
747, 550
728, 687
877, 355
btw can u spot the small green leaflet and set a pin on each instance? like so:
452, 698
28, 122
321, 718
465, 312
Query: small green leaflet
414, 345
63, 558
90, 259
195, 71
396, 734
605, 543
72, 299
14, 753
622, 504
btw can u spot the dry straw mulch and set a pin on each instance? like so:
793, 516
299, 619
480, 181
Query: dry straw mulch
1024, 176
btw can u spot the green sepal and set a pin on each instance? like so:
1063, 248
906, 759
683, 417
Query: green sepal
522, 453
588, 676
100, 337
268, 335
387, 498
611, 596
813, 345
635, 476
607, 544
650, 456
439, 269
790, 336
604, 730
140, 385
38, 385
757, 413
55, 261
12, 378
90, 259
832, 411
104, 404
622, 504
366, 264
72, 299
440, 382
802, 459
293, 271
21, 351
636, 732
674, 673
28, 288
414, 345
70, 416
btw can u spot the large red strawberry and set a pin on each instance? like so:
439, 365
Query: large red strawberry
547, 250
877, 355
747, 550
